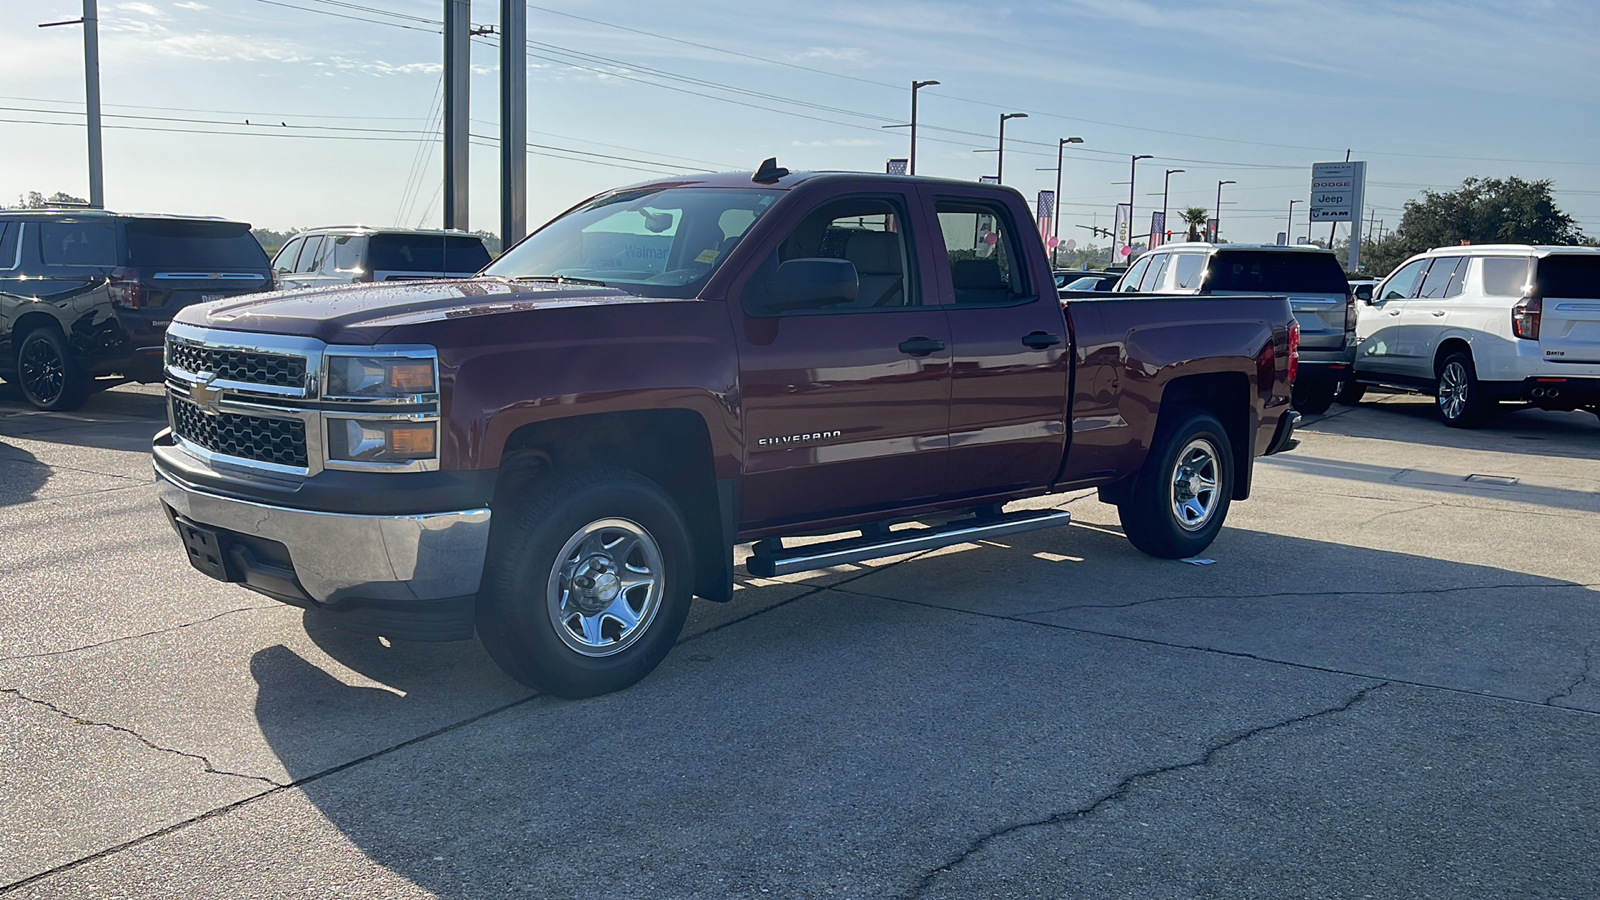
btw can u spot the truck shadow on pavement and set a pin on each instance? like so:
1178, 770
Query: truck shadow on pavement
976, 714
123, 420
21, 475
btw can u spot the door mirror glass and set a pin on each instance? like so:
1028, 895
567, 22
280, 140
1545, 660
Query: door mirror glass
1364, 293
815, 283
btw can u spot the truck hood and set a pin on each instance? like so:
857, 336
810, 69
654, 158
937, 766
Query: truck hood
362, 313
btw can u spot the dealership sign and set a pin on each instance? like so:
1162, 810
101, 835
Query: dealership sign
1336, 191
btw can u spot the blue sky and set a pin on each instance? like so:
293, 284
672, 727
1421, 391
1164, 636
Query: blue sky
1252, 91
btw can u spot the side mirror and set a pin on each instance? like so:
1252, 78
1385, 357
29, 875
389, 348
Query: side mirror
1364, 294
812, 284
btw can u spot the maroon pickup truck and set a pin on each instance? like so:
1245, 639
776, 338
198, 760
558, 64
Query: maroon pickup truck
560, 453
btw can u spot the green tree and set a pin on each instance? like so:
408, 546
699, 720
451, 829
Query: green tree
1481, 211
36, 200
1195, 217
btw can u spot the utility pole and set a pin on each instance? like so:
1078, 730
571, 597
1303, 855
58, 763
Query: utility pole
1218, 235
457, 107
91, 96
513, 121
1000, 157
1288, 234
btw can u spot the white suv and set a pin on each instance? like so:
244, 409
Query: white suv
1479, 325
320, 257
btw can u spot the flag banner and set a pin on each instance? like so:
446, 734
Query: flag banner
1158, 229
1211, 230
1046, 207
1119, 233
989, 179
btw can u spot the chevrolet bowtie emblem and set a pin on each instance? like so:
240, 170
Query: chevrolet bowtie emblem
208, 398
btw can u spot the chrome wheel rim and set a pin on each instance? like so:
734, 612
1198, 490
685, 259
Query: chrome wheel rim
42, 371
1452, 389
606, 587
1195, 488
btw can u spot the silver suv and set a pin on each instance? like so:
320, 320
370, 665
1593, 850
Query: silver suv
318, 257
1310, 277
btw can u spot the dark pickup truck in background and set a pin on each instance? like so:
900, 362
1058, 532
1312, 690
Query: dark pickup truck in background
559, 453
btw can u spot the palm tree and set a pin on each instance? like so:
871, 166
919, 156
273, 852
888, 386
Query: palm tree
1195, 217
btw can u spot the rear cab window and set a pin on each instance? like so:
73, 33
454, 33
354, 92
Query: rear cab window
426, 253
1276, 271
178, 244
980, 242
1568, 276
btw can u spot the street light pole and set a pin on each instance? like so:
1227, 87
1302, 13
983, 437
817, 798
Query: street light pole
916, 86
1219, 208
91, 96
1133, 170
1288, 234
1166, 183
1000, 159
1056, 223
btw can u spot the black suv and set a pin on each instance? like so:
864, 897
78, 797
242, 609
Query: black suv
86, 292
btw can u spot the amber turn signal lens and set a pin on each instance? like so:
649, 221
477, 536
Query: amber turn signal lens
411, 440
412, 377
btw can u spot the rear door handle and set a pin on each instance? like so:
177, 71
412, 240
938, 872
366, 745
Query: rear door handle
920, 346
1040, 340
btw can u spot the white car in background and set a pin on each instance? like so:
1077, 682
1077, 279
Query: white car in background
1476, 326
351, 254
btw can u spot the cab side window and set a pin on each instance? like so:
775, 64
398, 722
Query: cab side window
1189, 266
979, 241
311, 255
10, 244
1505, 276
78, 243
1151, 282
1438, 277
1403, 282
870, 233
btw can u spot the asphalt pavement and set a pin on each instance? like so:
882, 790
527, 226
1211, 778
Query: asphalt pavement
1384, 685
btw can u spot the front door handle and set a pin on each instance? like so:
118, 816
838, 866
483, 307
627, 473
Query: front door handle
1394, 312
1438, 312
920, 346
1040, 340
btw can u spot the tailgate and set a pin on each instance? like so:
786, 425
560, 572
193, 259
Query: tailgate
176, 289
1321, 318
180, 262
1569, 286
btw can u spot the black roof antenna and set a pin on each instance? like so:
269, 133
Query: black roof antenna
769, 172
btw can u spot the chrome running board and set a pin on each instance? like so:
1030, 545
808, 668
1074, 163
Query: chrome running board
770, 558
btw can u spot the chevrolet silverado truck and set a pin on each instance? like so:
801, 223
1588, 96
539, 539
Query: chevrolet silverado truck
560, 453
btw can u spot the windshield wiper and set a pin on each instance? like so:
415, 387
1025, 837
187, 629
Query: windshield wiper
559, 279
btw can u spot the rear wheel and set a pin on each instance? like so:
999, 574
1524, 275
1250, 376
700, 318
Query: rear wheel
1182, 494
1314, 398
47, 373
1350, 392
1459, 397
587, 584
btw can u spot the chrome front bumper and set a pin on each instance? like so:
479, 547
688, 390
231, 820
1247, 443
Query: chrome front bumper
338, 558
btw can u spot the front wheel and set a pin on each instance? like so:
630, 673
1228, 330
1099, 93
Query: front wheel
1181, 496
1350, 392
588, 583
1459, 397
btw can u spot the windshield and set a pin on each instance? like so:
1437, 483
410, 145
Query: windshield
657, 242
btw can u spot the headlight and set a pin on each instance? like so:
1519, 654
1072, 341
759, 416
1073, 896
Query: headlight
380, 440
380, 376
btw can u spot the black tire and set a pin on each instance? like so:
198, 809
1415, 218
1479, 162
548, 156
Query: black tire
47, 373
1314, 398
1350, 392
1151, 517
1457, 395
534, 567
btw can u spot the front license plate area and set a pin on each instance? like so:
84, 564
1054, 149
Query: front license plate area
205, 549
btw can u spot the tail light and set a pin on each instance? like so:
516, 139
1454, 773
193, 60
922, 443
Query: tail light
1294, 350
1350, 311
125, 289
1525, 318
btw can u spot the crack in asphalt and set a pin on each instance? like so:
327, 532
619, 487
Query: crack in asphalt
279, 787
1283, 594
135, 637
1127, 784
79, 720
1583, 675
1396, 512
54, 467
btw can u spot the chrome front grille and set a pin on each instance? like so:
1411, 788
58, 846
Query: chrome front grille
259, 438
244, 366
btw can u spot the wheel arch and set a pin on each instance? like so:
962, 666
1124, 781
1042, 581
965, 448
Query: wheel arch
671, 447
1226, 395
1447, 347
